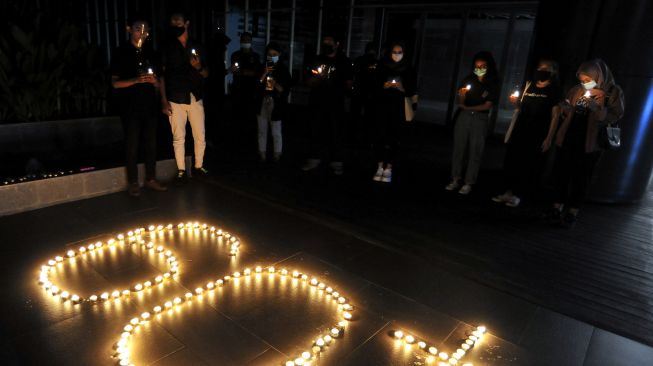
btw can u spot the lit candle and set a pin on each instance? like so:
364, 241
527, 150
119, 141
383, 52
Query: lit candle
468, 87
587, 94
515, 94
193, 52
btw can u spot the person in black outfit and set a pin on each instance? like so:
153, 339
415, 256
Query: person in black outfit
133, 76
362, 100
330, 79
246, 68
182, 94
395, 81
531, 133
272, 101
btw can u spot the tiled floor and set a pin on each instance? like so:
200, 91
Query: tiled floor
258, 322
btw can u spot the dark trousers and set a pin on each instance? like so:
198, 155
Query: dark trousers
327, 131
523, 166
140, 132
390, 116
573, 173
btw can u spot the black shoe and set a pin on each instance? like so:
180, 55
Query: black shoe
181, 178
154, 185
568, 220
134, 190
200, 173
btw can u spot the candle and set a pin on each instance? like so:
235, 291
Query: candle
150, 71
587, 94
236, 64
468, 87
193, 52
394, 81
515, 94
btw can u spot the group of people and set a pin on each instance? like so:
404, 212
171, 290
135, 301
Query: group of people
383, 93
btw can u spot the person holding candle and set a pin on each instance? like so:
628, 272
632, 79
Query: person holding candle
330, 79
272, 100
245, 68
589, 106
182, 94
531, 132
477, 95
133, 77
396, 81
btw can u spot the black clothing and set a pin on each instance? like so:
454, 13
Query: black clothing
138, 105
129, 62
247, 61
281, 76
331, 84
524, 157
181, 78
480, 92
390, 107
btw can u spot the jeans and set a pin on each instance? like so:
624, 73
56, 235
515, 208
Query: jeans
469, 137
194, 113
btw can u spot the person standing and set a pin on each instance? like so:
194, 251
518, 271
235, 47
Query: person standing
477, 95
589, 106
396, 81
182, 94
272, 102
531, 133
133, 76
246, 68
362, 99
330, 80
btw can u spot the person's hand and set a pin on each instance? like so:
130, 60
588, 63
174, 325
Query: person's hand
462, 91
388, 84
513, 100
167, 109
195, 62
546, 144
596, 99
152, 79
233, 69
462, 107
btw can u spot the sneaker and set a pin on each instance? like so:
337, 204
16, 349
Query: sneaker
378, 174
134, 190
154, 185
387, 176
454, 185
337, 167
310, 164
502, 198
200, 173
513, 201
465, 189
181, 178
552, 216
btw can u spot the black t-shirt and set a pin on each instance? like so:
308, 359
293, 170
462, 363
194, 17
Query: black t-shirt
127, 62
480, 92
333, 77
181, 78
404, 73
247, 61
535, 111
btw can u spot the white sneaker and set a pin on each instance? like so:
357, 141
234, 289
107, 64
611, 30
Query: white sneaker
452, 186
502, 198
465, 189
310, 164
378, 174
387, 176
513, 201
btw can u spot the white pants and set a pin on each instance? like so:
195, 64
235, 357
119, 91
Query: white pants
264, 120
194, 113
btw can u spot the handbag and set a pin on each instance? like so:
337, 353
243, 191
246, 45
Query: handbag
610, 137
515, 115
408, 107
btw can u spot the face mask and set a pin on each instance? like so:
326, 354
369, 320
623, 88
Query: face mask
273, 59
245, 46
327, 48
542, 75
480, 72
589, 85
176, 31
397, 57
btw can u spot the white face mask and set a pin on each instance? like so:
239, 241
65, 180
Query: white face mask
274, 59
246, 45
589, 85
397, 57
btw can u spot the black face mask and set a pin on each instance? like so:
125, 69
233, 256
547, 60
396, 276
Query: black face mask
327, 48
542, 75
175, 31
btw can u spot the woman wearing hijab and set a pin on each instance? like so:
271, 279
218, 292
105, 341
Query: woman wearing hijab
396, 81
477, 95
531, 134
590, 106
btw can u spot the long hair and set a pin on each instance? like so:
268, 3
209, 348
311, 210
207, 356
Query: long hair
492, 72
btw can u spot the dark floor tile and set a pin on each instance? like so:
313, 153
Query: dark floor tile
183, 356
608, 349
557, 339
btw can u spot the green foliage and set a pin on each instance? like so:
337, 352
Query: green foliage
48, 71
